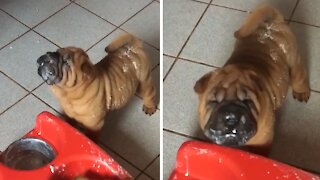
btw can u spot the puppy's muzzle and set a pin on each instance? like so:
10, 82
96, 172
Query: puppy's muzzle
231, 123
50, 67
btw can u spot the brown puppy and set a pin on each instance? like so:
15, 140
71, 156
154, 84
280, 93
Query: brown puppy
237, 103
87, 92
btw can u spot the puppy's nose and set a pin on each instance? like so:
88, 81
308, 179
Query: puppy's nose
231, 119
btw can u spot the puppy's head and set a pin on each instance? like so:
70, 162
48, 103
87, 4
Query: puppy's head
50, 67
228, 108
66, 64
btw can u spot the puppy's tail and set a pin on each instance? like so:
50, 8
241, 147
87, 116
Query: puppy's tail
260, 15
126, 39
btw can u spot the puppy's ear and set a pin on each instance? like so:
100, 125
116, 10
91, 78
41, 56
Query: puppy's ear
107, 49
87, 68
202, 83
66, 55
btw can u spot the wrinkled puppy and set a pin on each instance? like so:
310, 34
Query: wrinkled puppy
87, 92
237, 103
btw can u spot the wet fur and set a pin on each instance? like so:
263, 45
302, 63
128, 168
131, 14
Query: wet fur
260, 70
87, 92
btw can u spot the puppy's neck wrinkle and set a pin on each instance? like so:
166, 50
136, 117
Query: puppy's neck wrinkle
104, 71
120, 80
242, 84
105, 79
271, 76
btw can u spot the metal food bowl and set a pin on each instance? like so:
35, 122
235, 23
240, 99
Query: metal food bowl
27, 154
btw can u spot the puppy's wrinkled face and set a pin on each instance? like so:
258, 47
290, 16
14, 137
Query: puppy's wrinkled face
230, 123
50, 67
53, 66
227, 114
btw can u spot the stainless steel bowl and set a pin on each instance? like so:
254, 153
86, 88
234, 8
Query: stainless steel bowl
27, 154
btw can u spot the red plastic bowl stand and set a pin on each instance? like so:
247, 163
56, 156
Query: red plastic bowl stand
204, 161
76, 155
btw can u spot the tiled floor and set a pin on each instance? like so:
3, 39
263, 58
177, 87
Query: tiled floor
198, 37
30, 28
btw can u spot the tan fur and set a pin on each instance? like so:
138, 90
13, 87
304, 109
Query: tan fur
264, 63
261, 14
87, 92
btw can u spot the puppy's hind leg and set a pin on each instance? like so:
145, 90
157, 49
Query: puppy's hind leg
299, 80
147, 92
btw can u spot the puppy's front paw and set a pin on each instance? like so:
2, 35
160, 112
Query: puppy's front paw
302, 97
149, 110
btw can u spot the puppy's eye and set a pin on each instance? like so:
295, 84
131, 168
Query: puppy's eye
248, 103
66, 57
213, 102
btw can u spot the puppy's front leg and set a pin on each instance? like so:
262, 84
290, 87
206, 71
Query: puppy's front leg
93, 130
147, 92
299, 80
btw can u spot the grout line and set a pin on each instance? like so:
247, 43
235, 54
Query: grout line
184, 135
142, 173
117, 27
148, 165
169, 55
155, 67
299, 22
30, 29
193, 61
220, 6
199, 1
45, 103
14, 81
185, 43
197, 62
152, 161
101, 39
293, 11
93, 13
14, 39
19, 83
51, 15
100, 143
230, 8
40, 21
14, 104
37, 87
28, 93
45, 38
15, 19
315, 91
136, 13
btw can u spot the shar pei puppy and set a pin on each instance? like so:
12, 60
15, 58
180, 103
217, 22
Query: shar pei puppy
86, 91
237, 102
